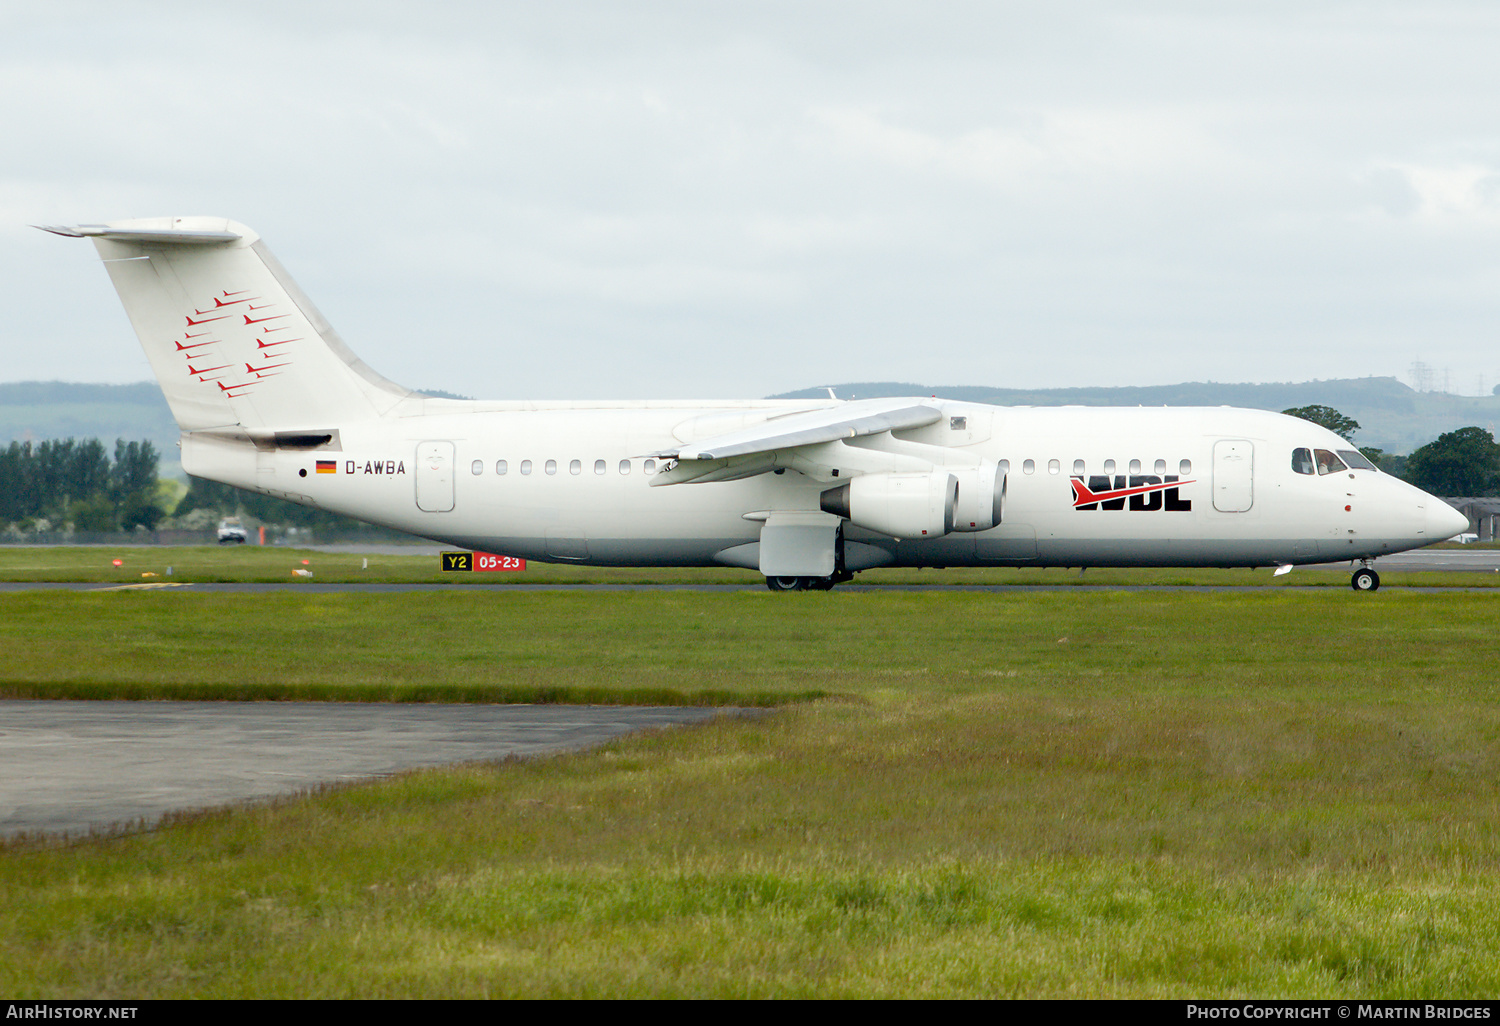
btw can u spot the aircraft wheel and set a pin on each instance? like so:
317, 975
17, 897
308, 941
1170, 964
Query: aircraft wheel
821, 583
787, 583
1365, 579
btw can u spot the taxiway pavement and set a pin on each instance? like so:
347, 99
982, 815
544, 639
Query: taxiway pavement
71, 767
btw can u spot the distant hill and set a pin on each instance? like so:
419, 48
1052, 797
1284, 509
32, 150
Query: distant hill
40, 410
57, 409
1392, 416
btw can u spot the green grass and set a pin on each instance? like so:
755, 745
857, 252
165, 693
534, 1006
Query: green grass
253, 563
751, 647
1077, 793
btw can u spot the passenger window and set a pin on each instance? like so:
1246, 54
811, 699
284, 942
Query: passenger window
1302, 461
598, 466
576, 467
525, 466
1135, 467
1327, 462
1078, 468
1161, 467
1185, 467
649, 467
1109, 466
501, 466
624, 466
1005, 466
1356, 460
1029, 467
551, 467
477, 467
1053, 466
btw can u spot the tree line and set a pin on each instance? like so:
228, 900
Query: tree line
77, 481
1465, 462
50, 485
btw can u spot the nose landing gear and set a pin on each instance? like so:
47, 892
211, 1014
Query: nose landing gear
1365, 579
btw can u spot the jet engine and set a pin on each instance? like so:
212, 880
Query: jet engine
981, 497
917, 505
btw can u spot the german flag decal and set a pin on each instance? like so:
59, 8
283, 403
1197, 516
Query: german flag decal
328, 467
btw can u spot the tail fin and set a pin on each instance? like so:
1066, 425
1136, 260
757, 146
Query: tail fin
233, 341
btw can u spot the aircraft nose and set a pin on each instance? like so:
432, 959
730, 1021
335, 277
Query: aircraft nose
1443, 521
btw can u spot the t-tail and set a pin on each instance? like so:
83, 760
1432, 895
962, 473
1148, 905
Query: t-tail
240, 352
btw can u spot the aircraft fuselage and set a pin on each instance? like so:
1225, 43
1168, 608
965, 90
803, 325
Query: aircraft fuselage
572, 483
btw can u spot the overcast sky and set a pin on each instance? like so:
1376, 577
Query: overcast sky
594, 200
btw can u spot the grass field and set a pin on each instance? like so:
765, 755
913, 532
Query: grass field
1065, 793
215, 564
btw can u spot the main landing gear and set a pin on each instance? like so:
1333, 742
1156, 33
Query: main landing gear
1365, 579
839, 575
806, 583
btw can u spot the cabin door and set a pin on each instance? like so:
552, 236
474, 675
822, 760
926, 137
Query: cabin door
435, 476
1234, 478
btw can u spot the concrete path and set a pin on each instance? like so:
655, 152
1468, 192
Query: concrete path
70, 767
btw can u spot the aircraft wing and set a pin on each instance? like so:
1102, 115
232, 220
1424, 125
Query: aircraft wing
847, 420
788, 440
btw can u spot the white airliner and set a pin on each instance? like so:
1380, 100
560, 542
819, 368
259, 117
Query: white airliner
807, 492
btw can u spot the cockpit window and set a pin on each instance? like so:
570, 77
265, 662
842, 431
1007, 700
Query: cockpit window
1328, 463
1302, 461
1356, 460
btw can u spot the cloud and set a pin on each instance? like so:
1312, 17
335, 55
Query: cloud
645, 194
1461, 196
1045, 147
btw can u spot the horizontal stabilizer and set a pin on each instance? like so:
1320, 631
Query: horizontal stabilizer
157, 236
